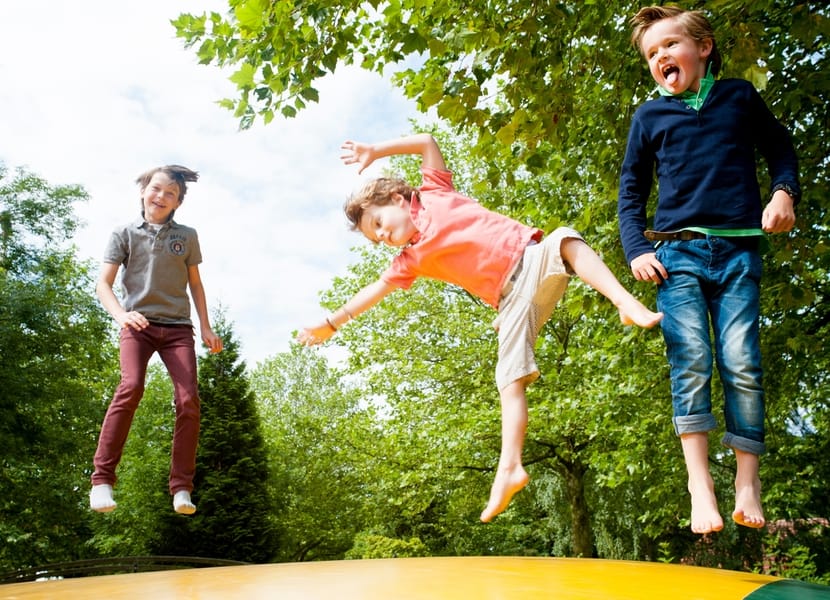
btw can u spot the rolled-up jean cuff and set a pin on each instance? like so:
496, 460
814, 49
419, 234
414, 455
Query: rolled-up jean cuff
736, 442
694, 423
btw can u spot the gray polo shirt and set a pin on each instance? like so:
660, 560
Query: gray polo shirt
154, 278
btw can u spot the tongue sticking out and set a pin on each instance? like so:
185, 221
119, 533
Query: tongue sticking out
671, 76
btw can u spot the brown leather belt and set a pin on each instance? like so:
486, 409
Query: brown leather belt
666, 236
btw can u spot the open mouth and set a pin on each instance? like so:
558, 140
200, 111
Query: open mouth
671, 74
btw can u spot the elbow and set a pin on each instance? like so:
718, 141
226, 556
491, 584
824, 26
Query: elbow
426, 140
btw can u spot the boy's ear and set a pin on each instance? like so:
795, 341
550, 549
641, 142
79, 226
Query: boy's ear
399, 199
706, 47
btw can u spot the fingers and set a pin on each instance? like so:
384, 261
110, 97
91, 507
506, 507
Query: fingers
307, 338
660, 273
355, 153
135, 320
773, 223
778, 215
647, 274
349, 156
769, 222
647, 268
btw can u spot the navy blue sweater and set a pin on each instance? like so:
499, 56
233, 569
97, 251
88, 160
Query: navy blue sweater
705, 163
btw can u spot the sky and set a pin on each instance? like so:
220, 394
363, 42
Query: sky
95, 92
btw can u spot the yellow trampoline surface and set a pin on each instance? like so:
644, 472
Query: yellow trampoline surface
450, 578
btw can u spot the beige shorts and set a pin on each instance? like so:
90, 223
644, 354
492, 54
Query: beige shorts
527, 301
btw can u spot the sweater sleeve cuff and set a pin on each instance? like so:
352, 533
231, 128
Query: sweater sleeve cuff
793, 191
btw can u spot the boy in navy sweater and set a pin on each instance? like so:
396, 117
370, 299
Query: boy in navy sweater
700, 137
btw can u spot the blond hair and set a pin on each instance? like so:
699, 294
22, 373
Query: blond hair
694, 24
378, 192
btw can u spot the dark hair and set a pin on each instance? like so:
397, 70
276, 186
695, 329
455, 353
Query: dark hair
694, 24
377, 192
181, 175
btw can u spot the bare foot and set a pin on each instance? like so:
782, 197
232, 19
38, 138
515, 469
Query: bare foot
633, 312
748, 511
507, 483
705, 515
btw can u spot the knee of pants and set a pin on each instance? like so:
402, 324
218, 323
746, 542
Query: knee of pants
745, 417
187, 403
129, 391
691, 396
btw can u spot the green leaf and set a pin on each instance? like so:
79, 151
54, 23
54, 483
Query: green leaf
244, 76
251, 14
310, 94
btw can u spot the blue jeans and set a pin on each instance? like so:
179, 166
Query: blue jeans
714, 282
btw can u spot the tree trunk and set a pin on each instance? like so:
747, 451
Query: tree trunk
582, 539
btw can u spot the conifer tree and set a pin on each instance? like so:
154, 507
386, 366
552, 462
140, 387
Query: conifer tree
234, 507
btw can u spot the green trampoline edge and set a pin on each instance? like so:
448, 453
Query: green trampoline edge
790, 589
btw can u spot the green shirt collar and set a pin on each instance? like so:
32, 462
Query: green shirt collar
693, 99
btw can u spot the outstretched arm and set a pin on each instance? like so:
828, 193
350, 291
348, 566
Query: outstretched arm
420, 143
359, 303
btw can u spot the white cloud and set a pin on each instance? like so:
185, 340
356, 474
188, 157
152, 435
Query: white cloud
95, 92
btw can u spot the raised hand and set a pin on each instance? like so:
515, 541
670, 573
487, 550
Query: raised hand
357, 152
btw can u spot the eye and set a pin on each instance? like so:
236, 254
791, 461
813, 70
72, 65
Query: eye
374, 234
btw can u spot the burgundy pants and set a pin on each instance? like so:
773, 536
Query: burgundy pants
176, 347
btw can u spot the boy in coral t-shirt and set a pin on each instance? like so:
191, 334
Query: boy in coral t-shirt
447, 236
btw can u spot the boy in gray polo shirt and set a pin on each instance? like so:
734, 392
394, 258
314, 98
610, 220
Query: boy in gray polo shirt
160, 259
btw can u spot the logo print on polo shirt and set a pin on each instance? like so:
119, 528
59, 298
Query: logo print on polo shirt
177, 245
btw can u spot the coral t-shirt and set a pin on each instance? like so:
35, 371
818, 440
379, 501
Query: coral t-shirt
459, 241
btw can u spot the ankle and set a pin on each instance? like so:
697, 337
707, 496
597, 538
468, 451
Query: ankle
702, 483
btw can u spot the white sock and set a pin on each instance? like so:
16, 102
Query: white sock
100, 498
182, 503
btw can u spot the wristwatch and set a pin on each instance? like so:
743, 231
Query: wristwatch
796, 196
